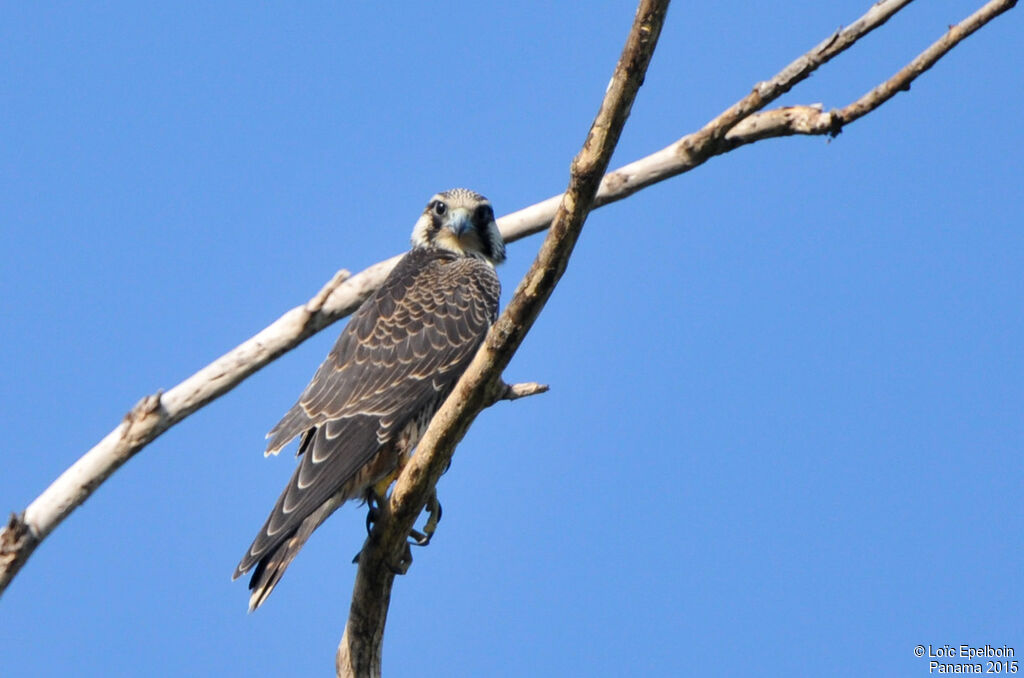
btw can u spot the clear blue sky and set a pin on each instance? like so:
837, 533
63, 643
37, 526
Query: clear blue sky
784, 430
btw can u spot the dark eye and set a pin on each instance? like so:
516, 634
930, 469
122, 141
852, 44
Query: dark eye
440, 208
484, 214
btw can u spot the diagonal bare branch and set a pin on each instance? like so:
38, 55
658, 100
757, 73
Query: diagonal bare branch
359, 653
814, 120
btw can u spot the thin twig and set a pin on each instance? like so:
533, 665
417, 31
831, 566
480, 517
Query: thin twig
517, 391
359, 653
814, 120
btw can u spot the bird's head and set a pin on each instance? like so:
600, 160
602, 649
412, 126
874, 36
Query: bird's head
462, 221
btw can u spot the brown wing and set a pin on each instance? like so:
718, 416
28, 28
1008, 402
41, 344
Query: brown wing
401, 352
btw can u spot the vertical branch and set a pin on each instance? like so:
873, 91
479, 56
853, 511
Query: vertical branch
359, 653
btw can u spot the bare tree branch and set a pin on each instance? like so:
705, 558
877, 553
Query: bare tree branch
153, 415
517, 391
741, 124
359, 653
695, 149
814, 120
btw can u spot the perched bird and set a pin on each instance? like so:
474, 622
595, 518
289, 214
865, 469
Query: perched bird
393, 365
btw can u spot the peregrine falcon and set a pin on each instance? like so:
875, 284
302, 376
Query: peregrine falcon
393, 365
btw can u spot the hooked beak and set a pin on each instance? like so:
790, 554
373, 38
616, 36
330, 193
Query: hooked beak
459, 221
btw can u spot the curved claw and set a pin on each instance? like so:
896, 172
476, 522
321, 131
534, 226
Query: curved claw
371, 518
417, 538
402, 566
375, 506
433, 508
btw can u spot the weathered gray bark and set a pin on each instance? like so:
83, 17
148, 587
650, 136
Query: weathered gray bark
359, 654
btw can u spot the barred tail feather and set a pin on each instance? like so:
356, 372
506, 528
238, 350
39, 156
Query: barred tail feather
272, 565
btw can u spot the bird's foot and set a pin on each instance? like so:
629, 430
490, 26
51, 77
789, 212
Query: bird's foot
376, 506
398, 566
433, 508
